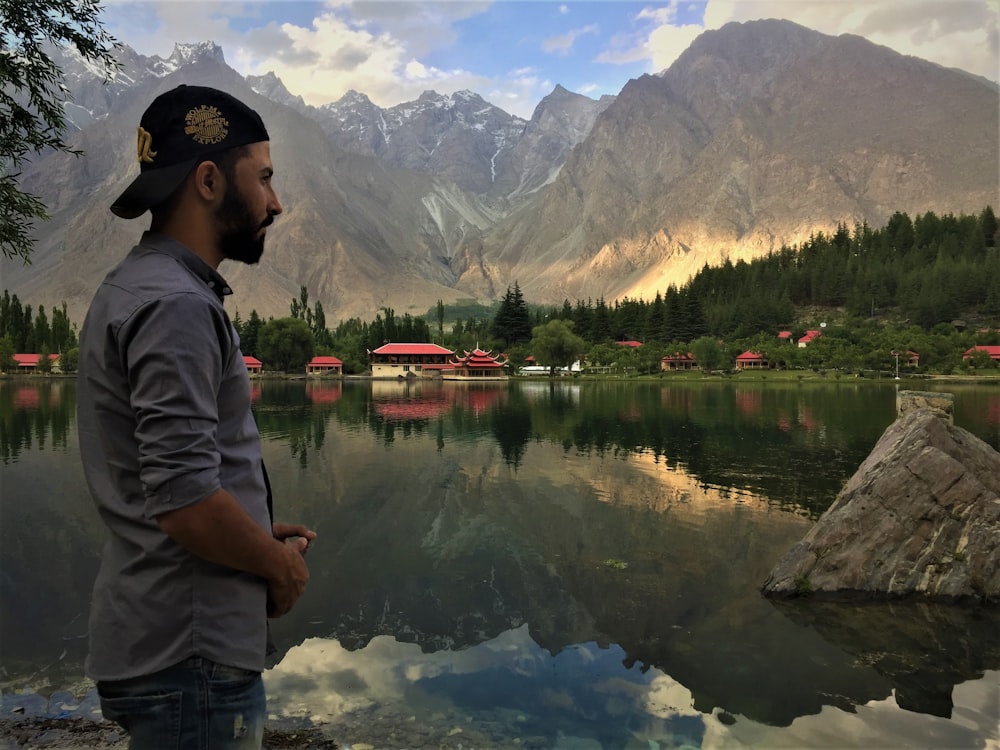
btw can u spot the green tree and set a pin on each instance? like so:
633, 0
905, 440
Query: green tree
555, 345
512, 323
708, 353
320, 333
69, 360
44, 361
250, 335
7, 352
43, 331
63, 336
33, 98
285, 344
300, 307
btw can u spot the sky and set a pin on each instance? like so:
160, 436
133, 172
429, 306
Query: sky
514, 52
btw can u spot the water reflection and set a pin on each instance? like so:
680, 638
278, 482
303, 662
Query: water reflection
509, 692
544, 562
34, 416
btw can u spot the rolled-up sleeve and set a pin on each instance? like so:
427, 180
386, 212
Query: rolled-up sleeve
173, 350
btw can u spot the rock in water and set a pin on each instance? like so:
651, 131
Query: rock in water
920, 517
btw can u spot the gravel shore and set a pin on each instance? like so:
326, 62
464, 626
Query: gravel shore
87, 734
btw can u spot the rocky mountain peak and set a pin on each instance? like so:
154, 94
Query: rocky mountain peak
270, 86
757, 136
186, 54
351, 99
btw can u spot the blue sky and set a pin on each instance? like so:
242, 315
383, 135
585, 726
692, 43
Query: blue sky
514, 52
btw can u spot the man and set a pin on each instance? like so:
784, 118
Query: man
193, 565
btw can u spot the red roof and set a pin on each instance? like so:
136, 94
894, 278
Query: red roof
251, 361
810, 335
633, 344
678, 357
784, 335
479, 359
412, 349
32, 360
749, 357
993, 351
325, 362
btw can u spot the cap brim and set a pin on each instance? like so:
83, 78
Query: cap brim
150, 189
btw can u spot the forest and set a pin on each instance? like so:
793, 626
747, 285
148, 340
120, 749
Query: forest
928, 286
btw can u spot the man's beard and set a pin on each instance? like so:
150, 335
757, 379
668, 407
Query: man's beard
240, 236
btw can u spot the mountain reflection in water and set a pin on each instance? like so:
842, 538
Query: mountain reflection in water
553, 563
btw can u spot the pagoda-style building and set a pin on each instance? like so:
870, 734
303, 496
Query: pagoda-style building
477, 365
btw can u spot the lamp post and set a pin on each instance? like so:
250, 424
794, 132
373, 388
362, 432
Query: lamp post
896, 355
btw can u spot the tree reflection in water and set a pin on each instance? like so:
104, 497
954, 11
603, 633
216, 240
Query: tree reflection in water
546, 558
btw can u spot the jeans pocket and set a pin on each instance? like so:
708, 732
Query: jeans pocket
152, 721
219, 673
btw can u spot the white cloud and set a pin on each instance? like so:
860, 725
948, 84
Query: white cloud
383, 48
378, 48
562, 44
656, 38
666, 43
954, 33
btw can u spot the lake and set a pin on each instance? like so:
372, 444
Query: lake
537, 564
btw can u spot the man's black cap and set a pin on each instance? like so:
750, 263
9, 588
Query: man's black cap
181, 128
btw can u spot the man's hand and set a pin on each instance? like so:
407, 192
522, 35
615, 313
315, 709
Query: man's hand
289, 576
285, 531
219, 530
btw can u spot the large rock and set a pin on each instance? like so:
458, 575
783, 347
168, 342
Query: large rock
921, 517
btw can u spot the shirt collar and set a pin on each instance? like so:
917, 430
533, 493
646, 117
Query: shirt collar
180, 252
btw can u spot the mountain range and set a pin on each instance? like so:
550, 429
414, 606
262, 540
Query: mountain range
759, 135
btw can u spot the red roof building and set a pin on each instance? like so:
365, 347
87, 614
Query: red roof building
678, 361
477, 365
993, 351
785, 335
254, 365
750, 361
409, 360
324, 366
808, 338
632, 344
29, 362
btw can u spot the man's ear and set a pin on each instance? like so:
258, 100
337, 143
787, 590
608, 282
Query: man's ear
209, 182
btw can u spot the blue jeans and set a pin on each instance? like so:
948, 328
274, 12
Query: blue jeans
194, 705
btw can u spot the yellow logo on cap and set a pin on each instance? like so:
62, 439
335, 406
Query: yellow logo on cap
206, 125
144, 146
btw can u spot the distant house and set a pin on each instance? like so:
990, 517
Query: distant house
631, 344
254, 365
325, 366
28, 363
784, 335
912, 359
750, 361
808, 339
534, 370
993, 351
409, 360
678, 361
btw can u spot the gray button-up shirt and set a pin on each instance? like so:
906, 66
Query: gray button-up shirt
164, 421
